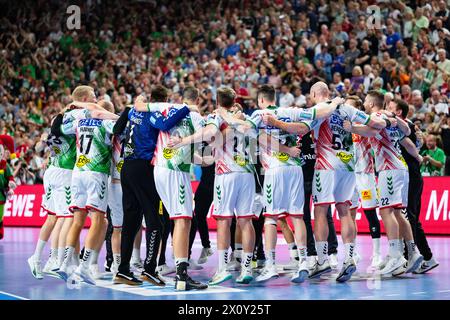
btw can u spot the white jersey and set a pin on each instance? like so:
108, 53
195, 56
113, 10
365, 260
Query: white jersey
117, 157
271, 157
386, 145
179, 159
232, 156
334, 145
363, 154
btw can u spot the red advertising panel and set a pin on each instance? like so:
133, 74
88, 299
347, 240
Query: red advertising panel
24, 208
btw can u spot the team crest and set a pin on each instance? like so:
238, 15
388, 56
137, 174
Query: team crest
345, 157
283, 157
240, 160
169, 153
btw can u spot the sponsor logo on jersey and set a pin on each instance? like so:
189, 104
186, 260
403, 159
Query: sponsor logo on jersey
283, 157
240, 160
366, 194
169, 153
119, 166
82, 161
90, 122
344, 156
56, 150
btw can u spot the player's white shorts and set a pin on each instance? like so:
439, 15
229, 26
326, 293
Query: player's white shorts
393, 188
333, 186
58, 195
175, 191
258, 205
89, 191
115, 204
366, 191
283, 191
234, 194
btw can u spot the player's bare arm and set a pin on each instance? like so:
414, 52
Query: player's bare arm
290, 127
206, 134
360, 129
411, 149
268, 142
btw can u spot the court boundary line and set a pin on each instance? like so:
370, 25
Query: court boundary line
13, 295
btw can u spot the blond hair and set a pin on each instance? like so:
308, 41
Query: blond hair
81, 92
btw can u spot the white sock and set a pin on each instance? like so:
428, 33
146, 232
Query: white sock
246, 260
94, 258
393, 248
223, 258
60, 255
349, 250
68, 254
376, 246
301, 251
270, 256
136, 255
87, 257
180, 260
293, 253
117, 259
411, 247
53, 253
322, 251
39, 248
291, 245
401, 246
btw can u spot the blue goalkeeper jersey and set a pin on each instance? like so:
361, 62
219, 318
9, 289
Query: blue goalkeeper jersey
143, 129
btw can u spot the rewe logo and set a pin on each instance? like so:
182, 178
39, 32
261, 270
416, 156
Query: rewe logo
20, 205
436, 209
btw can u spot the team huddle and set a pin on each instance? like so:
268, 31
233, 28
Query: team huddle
119, 169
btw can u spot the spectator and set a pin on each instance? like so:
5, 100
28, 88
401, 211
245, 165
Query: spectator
286, 97
433, 158
445, 136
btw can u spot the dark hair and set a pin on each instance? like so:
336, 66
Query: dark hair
378, 98
159, 94
225, 97
190, 93
267, 92
358, 102
401, 104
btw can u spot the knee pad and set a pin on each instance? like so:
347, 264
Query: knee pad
270, 221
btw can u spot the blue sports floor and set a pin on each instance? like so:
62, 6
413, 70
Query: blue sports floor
16, 281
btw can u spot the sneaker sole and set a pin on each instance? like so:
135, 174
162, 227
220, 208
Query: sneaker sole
301, 277
288, 267
118, 280
347, 274
245, 280
265, 280
62, 275
415, 265
395, 267
86, 279
426, 270
228, 277
318, 274
153, 282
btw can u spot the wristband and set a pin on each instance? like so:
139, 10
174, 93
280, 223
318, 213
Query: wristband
148, 107
388, 123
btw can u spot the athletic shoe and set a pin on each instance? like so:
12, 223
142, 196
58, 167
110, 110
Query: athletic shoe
426, 266
267, 273
35, 268
260, 263
152, 278
333, 258
108, 265
320, 269
137, 266
357, 258
85, 274
292, 265
375, 261
183, 282
50, 266
400, 270
193, 265
233, 265
414, 262
392, 264
219, 277
114, 268
347, 270
246, 276
302, 272
127, 278
95, 273
165, 269
206, 252
312, 261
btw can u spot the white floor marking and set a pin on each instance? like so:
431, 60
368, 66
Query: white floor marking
13, 295
367, 297
420, 292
